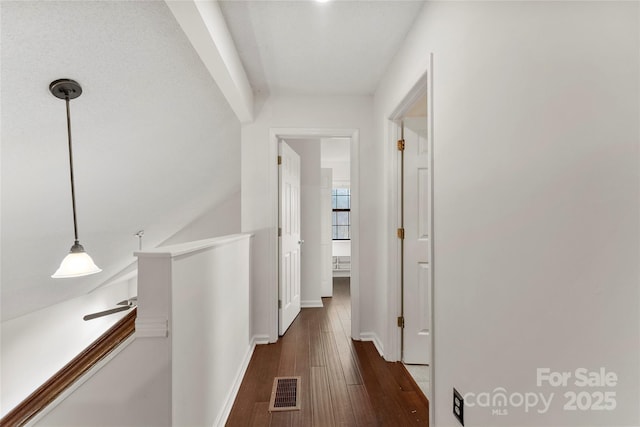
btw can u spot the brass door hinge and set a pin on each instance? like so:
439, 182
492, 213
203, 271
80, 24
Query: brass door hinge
401, 145
400, 322
279, 160
401, 233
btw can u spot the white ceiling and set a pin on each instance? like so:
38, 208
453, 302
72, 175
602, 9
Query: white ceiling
151, 139
339, 47
152, 130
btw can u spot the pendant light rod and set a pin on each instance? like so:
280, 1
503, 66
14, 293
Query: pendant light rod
73, 187
68, 89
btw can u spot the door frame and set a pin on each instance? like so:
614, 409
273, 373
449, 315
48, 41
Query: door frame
423, 86
276, 134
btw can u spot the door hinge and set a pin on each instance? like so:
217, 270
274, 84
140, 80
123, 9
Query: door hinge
400, 322
401, 145
279, 303
279, 231
279, 160
401, 233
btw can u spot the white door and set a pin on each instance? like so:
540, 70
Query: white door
289, 223
326, 242
417, 242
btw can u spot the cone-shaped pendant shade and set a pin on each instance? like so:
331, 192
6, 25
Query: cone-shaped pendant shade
77, 263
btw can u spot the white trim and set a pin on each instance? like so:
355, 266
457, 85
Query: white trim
373, 337
273, 262
423, 85
180, 249
80, 381
413, 95
222, 417
393, 291
283, 133
311, 304
260, 339
152, 327
431, 145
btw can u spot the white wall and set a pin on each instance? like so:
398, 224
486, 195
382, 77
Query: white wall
133, 389
341, 172
211, 344
258, 174
60, 328
336, 156
191, 347
220, 220
535, 125
310, 262
142, 161
35, 346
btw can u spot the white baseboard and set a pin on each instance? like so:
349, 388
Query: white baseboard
372, 336
260, 339
233, 393
311, 304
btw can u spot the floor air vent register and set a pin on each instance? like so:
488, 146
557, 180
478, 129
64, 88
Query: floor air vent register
285, 394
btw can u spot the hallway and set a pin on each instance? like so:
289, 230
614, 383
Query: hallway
344, 382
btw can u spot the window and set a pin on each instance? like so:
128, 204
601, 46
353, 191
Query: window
341, 216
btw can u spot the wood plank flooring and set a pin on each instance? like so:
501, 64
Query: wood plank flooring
344, 382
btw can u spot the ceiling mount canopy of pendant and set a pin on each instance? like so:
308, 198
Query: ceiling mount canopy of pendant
65, 88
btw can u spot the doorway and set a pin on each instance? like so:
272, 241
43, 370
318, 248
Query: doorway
314, 221
412, 255
335, 161
352, 135
416, 262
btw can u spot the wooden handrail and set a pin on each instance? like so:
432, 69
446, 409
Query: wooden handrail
71, 372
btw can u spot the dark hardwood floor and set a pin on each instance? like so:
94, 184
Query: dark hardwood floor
344, 382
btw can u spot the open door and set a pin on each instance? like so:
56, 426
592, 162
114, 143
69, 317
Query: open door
417, 226
289, 232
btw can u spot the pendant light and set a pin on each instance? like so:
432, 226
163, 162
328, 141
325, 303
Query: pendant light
77, 263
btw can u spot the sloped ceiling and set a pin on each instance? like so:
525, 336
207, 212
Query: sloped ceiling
339, 47
155, 143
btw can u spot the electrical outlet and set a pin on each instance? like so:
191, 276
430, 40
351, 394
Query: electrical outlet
458, 406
